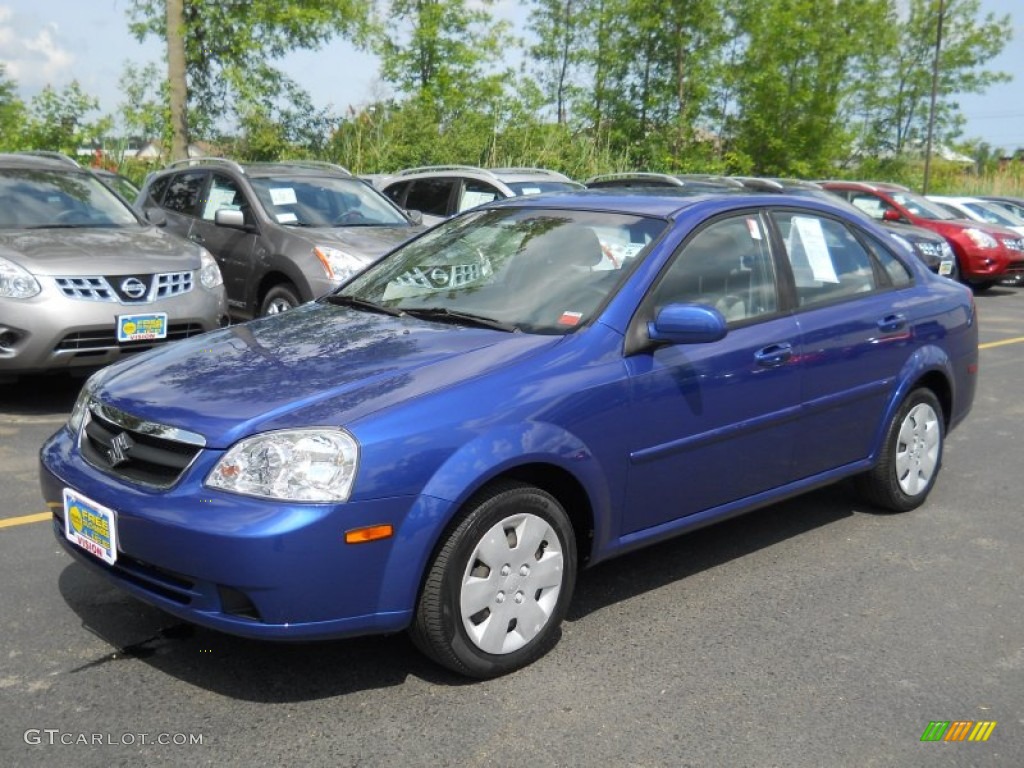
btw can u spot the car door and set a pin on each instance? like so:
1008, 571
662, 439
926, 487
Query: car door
714, 423
854, 330
232, 248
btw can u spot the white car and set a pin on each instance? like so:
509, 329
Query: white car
976, 209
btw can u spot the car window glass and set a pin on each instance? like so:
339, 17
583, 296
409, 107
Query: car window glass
39, 199
540, 271
827, 261
430, 196
156, 189
224, 193
990, 214
396, 192
871, 205
476, 193
325, 201
184, 191
894, 268
727, 266
922, 207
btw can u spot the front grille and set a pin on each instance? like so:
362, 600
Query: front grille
155, 455
102, 340
1014, 245
930, 249
101, 288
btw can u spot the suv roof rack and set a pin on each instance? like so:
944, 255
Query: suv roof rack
538, 171
636, 175
314, 164
193, 161
49, 154
427, 168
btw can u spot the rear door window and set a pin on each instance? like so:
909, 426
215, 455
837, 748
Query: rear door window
184, 192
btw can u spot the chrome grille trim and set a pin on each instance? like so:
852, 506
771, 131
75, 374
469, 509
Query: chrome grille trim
98, 288
135, 424
88, 288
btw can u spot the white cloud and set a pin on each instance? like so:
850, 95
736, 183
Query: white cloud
34, 54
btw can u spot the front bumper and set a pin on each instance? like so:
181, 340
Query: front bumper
53, 332
251, 567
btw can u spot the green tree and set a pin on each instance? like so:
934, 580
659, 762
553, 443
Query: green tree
56, 120
12, 113
559, 27
895, 107
144, 111
802, 64
231, 45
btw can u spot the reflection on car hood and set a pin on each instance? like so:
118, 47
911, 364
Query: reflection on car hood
370, 241
314, 365
98, 251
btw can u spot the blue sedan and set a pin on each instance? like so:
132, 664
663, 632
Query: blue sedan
534, 386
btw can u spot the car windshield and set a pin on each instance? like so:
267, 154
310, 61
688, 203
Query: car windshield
992, 215
534, 270
49, 199
922, 207
325, 201
536, 187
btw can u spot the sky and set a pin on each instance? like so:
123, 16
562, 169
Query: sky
56, 41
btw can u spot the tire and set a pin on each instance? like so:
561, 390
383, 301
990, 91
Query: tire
280, 298
911, 456
499, 586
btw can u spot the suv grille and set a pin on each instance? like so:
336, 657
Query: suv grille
1014, 245
147, 453
930, 249
101, 340
101, 288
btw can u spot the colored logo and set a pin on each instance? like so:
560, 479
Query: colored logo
76, 518
958, 730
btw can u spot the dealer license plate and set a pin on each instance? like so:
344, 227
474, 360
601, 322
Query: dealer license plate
91, 526
142, 327
946, 268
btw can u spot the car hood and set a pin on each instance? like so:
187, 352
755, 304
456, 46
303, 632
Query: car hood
369, 242
314, 365
959, 225
98, 250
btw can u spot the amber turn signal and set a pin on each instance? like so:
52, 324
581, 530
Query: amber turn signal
369, 533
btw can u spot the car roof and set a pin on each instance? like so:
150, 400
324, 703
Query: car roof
706, 181
666, 202
39, 159
262, 169
505, 175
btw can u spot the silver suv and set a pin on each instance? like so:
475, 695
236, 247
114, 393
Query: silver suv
283, 233
83, 279
440, 191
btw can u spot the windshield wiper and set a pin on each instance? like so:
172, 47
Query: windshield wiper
354, 301
61, 226
444, 314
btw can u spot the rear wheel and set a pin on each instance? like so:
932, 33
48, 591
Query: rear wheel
910, 458
279, 299
499, 587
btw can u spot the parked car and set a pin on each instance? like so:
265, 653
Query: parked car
647, 180
985, 253
84, 281
930, 248
283, 233
976, 209
440, 444
440, 191
1014, 205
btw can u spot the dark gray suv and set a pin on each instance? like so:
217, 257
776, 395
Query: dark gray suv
283, 233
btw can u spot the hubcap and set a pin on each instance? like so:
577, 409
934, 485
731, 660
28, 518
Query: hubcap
917, 449
511, 583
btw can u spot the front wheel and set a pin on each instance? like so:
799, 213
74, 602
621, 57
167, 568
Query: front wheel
279, 299
498, 588
910, 458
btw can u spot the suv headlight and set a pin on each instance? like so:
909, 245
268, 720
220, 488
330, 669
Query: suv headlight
209, 272
292, 465
981, 239
17, 282
338, 264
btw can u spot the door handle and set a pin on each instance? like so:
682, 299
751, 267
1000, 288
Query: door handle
891, 323
774, 355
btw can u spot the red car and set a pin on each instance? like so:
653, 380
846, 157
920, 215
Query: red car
985, 253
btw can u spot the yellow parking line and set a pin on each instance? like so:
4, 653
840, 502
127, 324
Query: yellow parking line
10, 522
1003, 343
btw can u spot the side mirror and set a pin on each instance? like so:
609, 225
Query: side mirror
416, 217
687, 324
156, 217
891, 214
225, 217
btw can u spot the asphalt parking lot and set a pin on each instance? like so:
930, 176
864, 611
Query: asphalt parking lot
811, 633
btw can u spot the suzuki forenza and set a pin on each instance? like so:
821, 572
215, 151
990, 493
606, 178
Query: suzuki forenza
533, 386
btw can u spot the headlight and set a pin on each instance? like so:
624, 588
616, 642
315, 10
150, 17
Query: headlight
77, 417
16, 282
209, 272
981, 239
291, 465
338, 264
